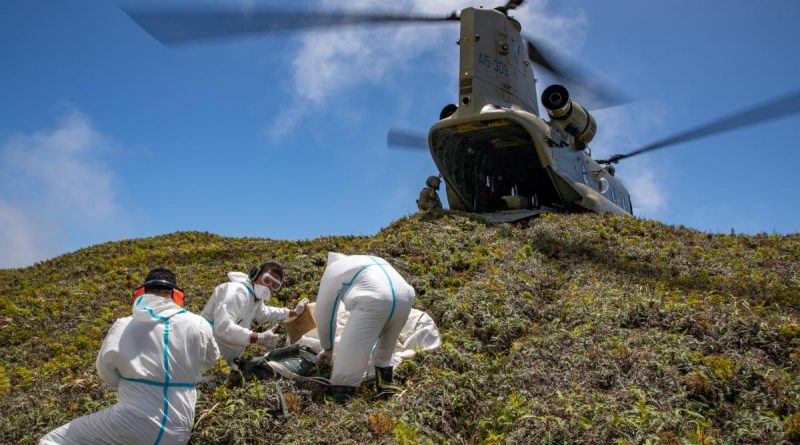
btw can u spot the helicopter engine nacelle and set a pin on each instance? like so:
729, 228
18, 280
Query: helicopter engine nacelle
569, 115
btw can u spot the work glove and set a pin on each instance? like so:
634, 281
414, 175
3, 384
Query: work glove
268, 339
301, 306
325, 357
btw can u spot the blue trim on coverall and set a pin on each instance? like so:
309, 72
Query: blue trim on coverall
336, 301
166, 383
391, 286
155, 383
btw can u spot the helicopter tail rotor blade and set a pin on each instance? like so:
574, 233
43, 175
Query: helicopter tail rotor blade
406, 139
575, 76
776, 109
176, 26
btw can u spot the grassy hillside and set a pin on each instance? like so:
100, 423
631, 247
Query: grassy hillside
565, 329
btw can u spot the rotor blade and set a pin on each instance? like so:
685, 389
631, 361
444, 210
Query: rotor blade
175, 26
575, 76
514, 4
406, 139
776, 109
511, 4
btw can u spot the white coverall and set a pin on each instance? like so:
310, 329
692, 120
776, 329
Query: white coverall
153, 358
231, 310
379, 301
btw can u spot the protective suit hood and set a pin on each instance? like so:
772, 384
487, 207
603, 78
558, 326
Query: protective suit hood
149, 306
243, 278
238, 277
334, 257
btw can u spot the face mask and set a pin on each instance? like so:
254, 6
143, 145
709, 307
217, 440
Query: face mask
262, 292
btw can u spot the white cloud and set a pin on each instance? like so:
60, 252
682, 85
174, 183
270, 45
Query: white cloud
54, 181
622, 129
647, 189
23, 240
566, 34
329, 63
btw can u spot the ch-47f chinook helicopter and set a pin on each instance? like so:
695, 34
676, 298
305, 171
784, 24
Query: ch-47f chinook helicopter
498, 157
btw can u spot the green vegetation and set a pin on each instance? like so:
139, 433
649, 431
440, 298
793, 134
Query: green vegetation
565, 329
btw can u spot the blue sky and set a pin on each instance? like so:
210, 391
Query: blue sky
105, 134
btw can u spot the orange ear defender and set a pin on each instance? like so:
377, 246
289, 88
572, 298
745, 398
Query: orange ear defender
177, 296
138, 292
177, 293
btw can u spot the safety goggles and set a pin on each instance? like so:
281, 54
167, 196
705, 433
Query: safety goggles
273, 283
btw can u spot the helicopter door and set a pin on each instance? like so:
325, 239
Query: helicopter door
453, 201
491, 167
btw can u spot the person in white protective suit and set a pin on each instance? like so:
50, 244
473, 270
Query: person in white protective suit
153, 358
236, 304
379, 301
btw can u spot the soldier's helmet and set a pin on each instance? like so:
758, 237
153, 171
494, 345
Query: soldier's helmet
433, 181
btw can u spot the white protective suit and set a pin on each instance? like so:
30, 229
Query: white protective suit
378, 300
231, 310
418, 334
153, 358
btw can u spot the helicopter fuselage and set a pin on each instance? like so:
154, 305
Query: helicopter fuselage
496, 153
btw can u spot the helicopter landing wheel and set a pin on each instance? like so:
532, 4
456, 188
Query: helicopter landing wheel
448, 111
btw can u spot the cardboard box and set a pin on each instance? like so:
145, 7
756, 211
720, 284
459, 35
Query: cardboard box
296, 327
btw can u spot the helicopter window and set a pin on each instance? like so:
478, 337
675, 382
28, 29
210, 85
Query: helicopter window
613, 195
584, 174
603, 185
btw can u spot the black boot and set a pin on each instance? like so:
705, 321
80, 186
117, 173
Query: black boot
383, 376
342, 393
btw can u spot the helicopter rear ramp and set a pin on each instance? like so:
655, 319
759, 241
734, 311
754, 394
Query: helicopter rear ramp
484, 161
507, 216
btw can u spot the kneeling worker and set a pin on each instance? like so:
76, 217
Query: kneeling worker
153, 358
428, 200
379, 301
234, 305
